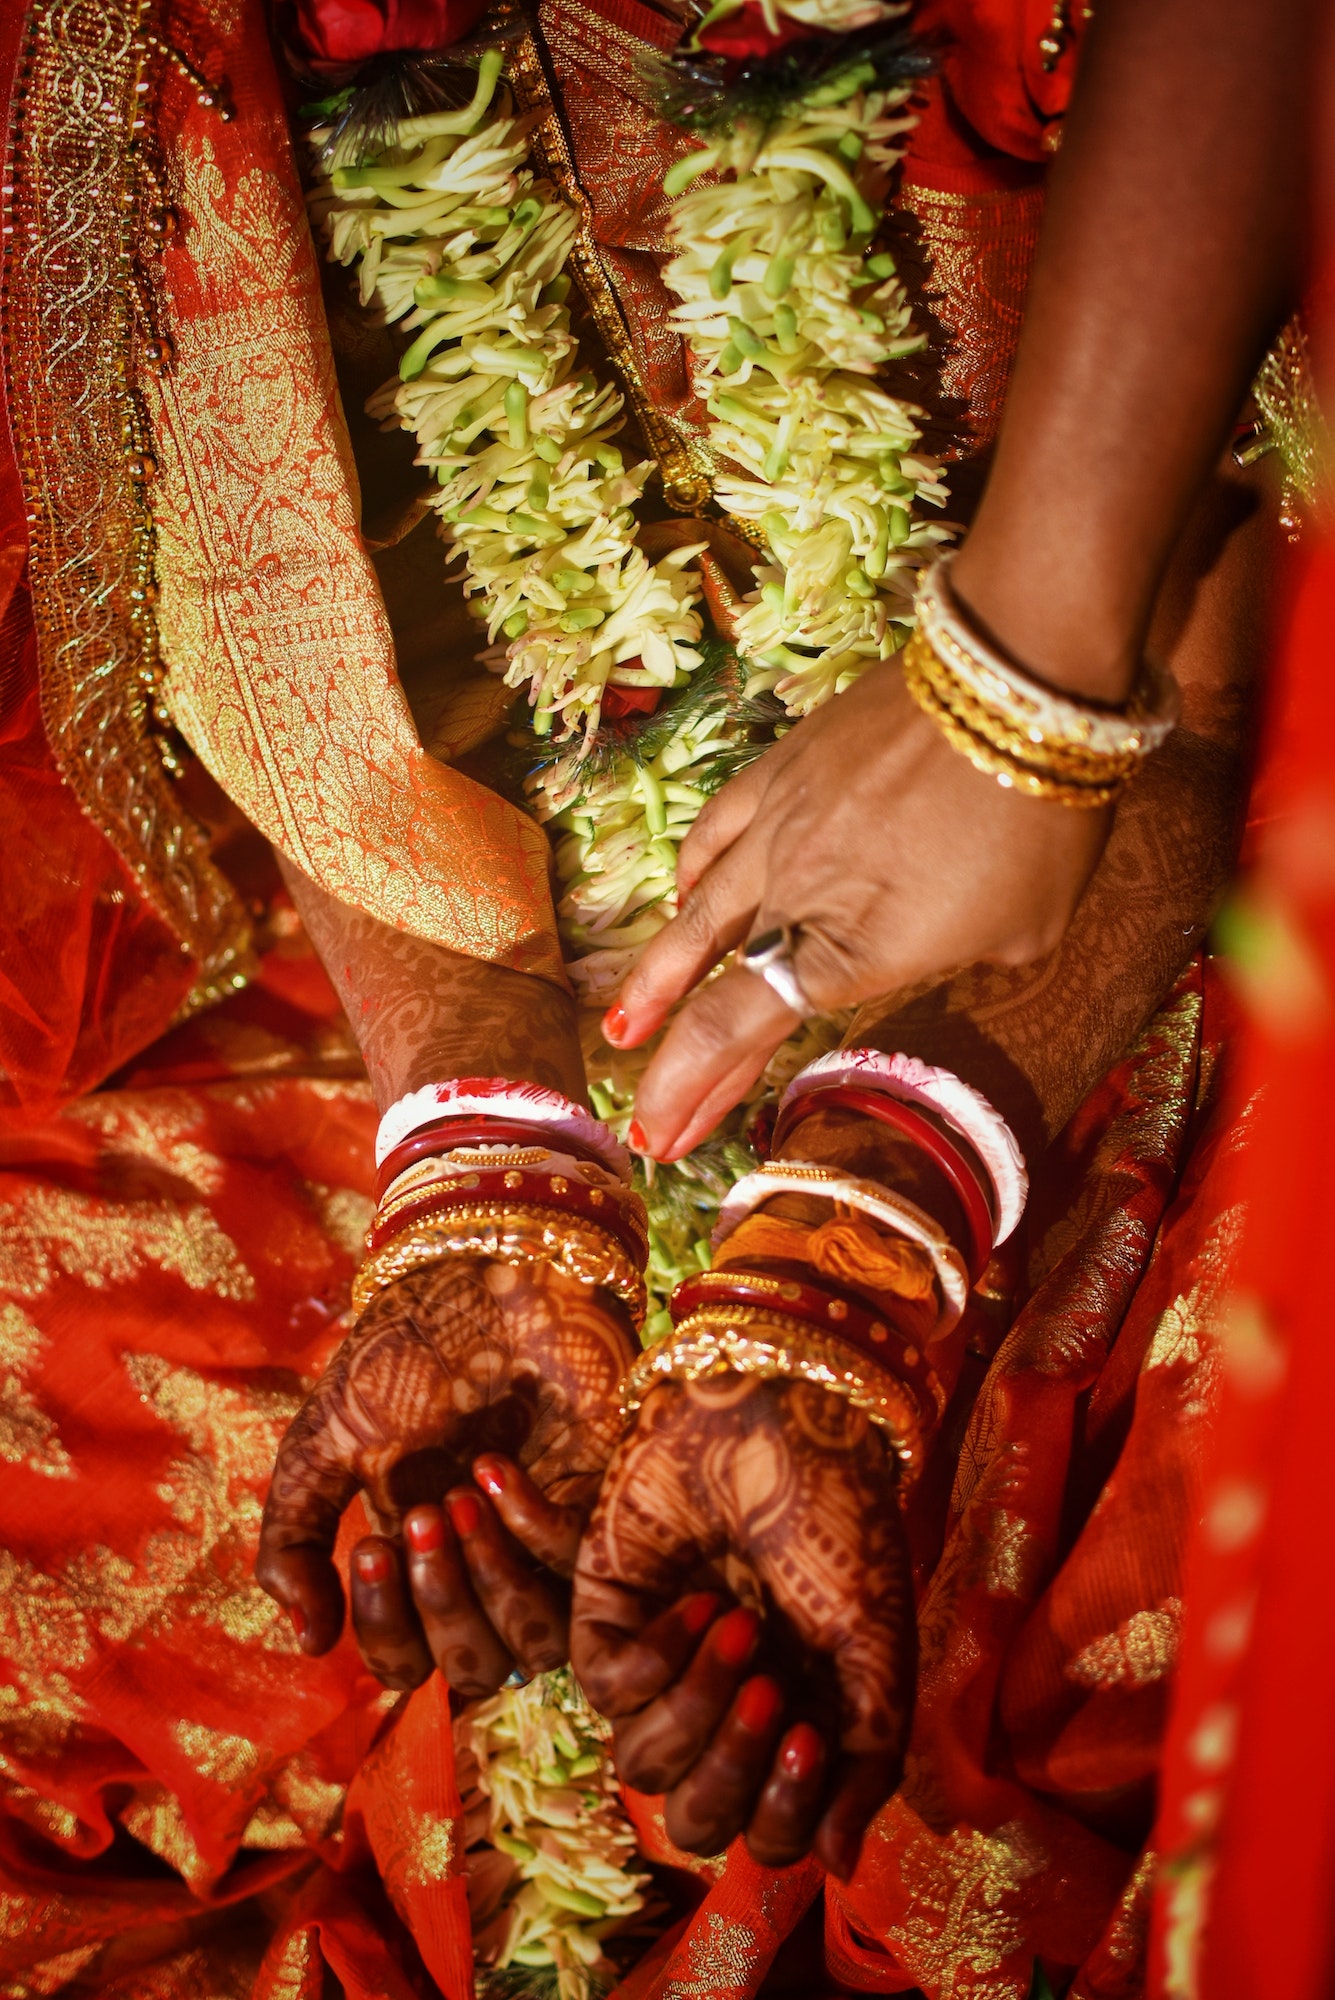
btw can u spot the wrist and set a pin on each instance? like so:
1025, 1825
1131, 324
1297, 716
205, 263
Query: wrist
1081, 637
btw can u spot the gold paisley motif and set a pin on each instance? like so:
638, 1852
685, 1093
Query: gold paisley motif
967, 1894
59, 1231
28, 1436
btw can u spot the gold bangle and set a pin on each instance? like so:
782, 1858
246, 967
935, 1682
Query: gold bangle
512, 1235
1047, 756
756, 1340
994, 763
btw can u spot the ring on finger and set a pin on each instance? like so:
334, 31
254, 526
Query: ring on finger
770, 957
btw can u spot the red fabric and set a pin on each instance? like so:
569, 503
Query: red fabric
335, 33
1248, 1822
996, 102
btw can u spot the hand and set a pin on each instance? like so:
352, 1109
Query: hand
793, 1483
462, 1358
895, 860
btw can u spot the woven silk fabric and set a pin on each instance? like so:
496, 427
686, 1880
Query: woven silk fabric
281, 661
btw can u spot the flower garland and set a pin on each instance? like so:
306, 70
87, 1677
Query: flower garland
454, 238
790, 315
555, 1813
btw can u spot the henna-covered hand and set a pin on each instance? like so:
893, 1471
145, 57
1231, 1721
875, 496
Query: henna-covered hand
464, 1358
800, 1490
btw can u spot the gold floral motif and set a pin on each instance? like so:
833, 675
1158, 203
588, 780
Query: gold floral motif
436, 1851
51, 1975
720, 1960
68, 333
218, 1755
297, 1973
345, 1216
1142, 1650
161, 1131
1009, 1544
155, 1819
58, 1230
966, 1894
28, 1436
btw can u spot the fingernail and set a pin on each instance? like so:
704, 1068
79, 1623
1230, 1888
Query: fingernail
425, 1531
615, 1023
465, 1513
374, 1565
758, 1704
636, 1138
735, 1637
490, 1478
696, 1612
801, 1751
300, 1622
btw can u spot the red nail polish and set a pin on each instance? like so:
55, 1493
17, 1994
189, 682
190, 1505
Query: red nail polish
425, 1531
615, 1023
758, 1705
373, 1565
465, 1513
697, 1612
735, 1637
300, 1623
801, 1752
490, 1478
635, 1135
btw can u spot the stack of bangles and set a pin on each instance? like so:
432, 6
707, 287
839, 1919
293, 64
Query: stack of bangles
1015, 728
735, 1320
479, 1167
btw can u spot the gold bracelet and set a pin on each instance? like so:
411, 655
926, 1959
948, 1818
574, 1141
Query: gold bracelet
994, 763
1073, 763
755, 1340
512, 1235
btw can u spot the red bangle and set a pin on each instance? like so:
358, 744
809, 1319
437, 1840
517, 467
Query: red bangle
618, 1218
825, 1307
452, 1133
940, 1150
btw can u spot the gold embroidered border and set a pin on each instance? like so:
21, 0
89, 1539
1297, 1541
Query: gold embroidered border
69, 336
686, 471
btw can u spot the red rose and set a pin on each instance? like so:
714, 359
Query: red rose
743, 34
338, 33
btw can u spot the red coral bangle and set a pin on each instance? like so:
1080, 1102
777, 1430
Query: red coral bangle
617, 1217
940, 1150
452, 1133
826, 1307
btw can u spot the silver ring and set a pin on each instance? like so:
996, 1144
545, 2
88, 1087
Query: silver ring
770, 957
517, 1679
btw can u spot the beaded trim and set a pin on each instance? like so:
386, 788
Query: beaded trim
511, 1235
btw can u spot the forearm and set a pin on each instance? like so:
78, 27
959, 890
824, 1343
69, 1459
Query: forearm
421, 1013
1169, 254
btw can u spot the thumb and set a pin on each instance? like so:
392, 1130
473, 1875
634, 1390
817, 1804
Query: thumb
310, 1489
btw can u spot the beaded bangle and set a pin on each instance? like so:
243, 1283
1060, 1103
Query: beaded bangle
929, 1139
758, 1341
826, 1308
514, 1187
511, 1235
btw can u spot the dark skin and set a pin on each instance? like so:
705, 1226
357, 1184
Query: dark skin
1169, 255
464, 1367
1035, 1040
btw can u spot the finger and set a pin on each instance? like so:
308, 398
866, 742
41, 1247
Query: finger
520, 1604
622, 1671
715, 916
464, 1643
389, 1634
310, 1489
713, 1803
783, 1824
655, 1749
724, 818
547, 1531
711, 1055
862, 1785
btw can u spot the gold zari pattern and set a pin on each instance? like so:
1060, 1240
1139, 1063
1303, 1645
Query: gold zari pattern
758, 1340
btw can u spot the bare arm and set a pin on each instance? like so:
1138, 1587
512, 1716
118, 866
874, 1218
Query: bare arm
1170, 254
421, 1013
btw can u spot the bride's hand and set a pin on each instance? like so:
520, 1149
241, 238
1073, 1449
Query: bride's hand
803, 1490
464, 1365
